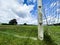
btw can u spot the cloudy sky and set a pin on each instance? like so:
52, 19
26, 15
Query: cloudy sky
25, 11
51, 10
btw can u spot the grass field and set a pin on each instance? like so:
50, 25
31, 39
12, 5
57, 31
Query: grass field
26, 35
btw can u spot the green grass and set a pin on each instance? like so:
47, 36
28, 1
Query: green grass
54, 32
20, 30
27, 31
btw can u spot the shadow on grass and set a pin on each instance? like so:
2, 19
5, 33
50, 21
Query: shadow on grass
48, 40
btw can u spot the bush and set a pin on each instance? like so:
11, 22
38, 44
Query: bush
25, 23
13, 22
5, 24
47, 39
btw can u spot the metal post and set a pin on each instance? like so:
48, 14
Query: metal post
40, 26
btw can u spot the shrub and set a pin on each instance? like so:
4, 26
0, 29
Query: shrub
25, 23
13, 22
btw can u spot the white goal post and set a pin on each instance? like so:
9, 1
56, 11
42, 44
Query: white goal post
40, 25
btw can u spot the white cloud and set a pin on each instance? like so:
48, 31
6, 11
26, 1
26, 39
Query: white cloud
51, 20
58, 11
53, 4
56, 3
51, 13
31, 1
10, 9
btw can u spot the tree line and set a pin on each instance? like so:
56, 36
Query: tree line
13, 22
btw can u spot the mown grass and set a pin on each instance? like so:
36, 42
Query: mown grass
27, 31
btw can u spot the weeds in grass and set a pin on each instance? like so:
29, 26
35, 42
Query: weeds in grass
48, 40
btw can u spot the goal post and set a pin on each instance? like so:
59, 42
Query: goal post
40, 22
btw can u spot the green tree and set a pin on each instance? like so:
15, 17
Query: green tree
25, 23
13, 22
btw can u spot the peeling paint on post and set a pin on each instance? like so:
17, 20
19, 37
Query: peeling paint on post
40, 25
